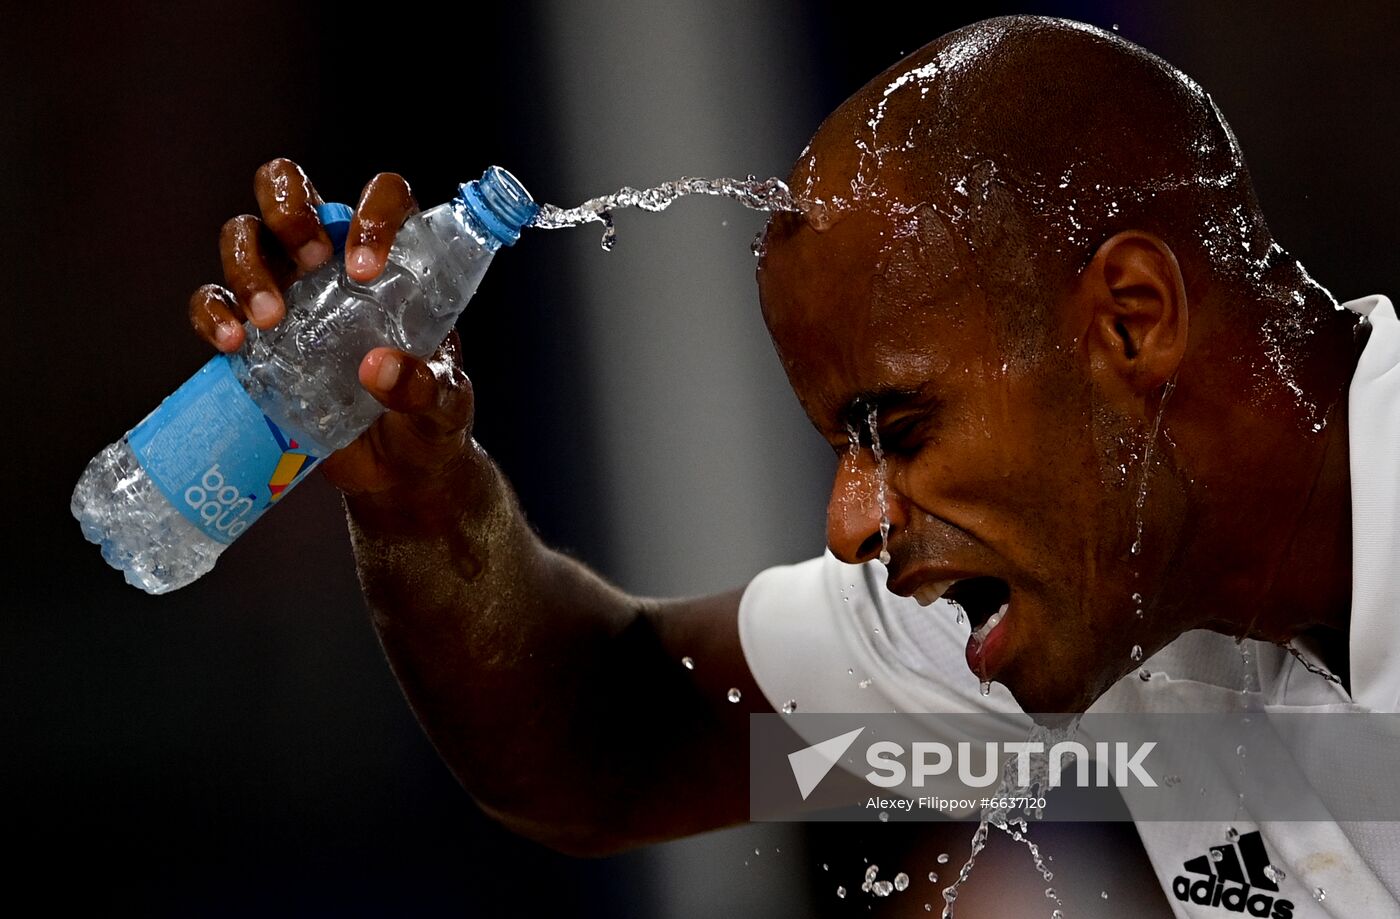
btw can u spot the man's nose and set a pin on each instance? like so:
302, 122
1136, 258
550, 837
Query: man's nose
853, 513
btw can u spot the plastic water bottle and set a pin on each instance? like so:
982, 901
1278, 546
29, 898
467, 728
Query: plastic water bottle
165, 500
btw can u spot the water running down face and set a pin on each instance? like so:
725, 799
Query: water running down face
983, 270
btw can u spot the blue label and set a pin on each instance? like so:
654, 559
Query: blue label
216, 456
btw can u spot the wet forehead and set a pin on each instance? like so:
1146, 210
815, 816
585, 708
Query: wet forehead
871, 303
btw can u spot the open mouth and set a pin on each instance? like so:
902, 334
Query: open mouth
984, 600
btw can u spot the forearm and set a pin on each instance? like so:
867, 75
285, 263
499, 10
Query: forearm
548, 692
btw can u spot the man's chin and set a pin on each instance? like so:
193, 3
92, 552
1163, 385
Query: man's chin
1051, 704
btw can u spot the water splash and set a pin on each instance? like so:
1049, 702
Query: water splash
1016, 827
1249, 673
1136, 548
758, 194
882, 490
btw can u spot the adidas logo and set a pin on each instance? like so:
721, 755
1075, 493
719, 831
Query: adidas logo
1235, 877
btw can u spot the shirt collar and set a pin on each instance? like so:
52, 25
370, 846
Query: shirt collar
1373, 415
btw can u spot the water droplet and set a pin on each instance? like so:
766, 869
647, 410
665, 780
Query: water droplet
901, 881
1137, 598
884, 556
825, 866
841, 892
1103, 895
1239, 751
1050, 893
688, 663
933, 877
755, 852
986, 688
735, 695
864, 684
1319, 894
789, 706
1171, 781
881, 888
928, 907
1232, 834
872, 872
1136, 653
1145, 675
884, 816
943, 858
1216, 855
1274, 874
1056, 914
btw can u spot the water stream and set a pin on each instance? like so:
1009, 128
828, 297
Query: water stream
1016, 827
758, 194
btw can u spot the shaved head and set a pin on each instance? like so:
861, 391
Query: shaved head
1022, 143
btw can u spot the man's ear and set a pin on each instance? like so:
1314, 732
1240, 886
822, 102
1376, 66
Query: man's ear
1135, 298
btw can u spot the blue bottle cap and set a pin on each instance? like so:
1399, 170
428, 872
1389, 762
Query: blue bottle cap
336, 219
500, 203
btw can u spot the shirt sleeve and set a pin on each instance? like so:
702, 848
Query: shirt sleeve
829, 637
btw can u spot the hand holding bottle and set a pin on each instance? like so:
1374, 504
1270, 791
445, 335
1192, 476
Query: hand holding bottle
429, 401
323, 349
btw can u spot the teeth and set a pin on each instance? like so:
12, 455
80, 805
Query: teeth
992, 622
927, 594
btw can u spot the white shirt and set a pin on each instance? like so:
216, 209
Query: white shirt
829, 635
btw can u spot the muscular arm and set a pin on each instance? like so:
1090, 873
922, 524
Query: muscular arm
559, 701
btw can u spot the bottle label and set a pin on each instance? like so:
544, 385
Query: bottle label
216, 456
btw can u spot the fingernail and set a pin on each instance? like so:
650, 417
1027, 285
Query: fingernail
313, 254
388, 373
226, 334
263, 305
360, 260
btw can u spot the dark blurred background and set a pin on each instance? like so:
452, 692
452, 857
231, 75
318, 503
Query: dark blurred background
239, 747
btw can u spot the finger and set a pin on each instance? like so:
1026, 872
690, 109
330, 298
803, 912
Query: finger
247, 271
217, 318
384, 205
288, 202
435, 394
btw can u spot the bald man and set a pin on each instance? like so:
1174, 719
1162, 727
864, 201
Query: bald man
1079, 396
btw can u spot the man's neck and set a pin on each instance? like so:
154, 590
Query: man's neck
1311, 592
